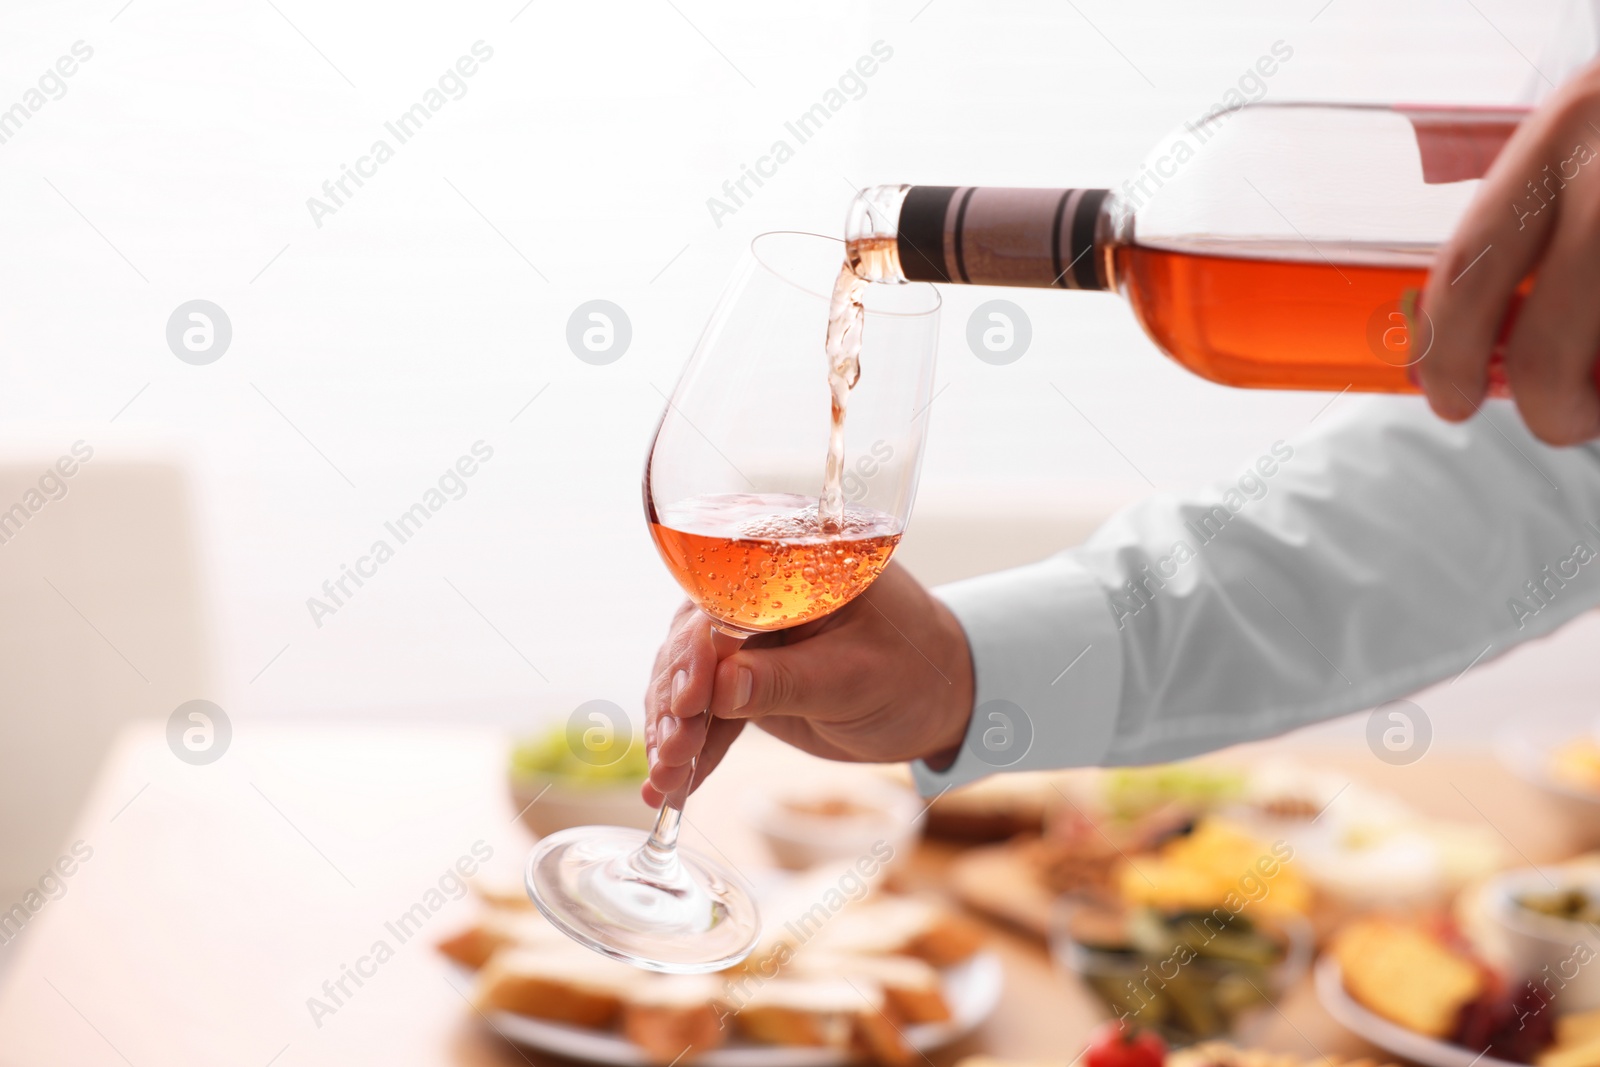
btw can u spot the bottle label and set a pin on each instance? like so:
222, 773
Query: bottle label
988, 236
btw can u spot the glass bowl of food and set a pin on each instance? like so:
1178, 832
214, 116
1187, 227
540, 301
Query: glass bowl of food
1189, 974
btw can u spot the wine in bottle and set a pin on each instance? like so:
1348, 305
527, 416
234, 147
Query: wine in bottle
1272, 246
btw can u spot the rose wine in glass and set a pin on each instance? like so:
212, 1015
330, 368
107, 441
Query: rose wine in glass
777, 487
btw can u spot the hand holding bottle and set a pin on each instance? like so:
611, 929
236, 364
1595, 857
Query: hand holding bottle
1537, 213
887, 677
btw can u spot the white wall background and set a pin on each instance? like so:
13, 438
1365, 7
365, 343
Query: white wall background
371, 352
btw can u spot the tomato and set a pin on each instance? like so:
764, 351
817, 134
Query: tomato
1115, 1044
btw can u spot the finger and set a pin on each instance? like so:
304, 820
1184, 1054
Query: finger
1473, 277
683, 690
1550, 355
669, 781
821, 677
679, 740
684, 669
657, 691
719, 738
692, 666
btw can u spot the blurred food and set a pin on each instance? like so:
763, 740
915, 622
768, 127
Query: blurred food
823, 1011
829, 808
1217, 863
555, 755
839, 967
1577, 1042
562, 983
1114, 1044
998, 807
1130, 792
808, 826
501, 887
553, 787
1539, 926
1565, 770
1574, 904
1576, 764
1222, 1054
499, 928
1206, 1054
1513, 1026
1187, 974
1408, 974
676, 1018
1182, 834
1081, 856
910, 985
1421, 975
1005, 882
896, 925
1359, 847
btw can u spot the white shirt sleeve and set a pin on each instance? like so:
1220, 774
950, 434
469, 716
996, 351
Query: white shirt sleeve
1382, 553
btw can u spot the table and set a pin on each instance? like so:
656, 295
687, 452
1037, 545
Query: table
216, 899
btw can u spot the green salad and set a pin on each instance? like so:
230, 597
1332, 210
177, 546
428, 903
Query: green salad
579, 758
1132, 791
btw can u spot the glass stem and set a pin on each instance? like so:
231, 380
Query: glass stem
660, 850
664, 837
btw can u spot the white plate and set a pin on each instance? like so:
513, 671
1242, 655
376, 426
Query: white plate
972, 989
1387, 1035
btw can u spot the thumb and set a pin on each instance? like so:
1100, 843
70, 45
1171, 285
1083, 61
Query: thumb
813, 679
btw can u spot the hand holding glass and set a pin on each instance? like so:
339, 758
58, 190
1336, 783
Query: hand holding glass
731, 492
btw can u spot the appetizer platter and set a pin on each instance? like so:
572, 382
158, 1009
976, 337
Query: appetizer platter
882, 978
1185, 901
1354, 848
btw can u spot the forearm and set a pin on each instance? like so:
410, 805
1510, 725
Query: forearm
1356, 565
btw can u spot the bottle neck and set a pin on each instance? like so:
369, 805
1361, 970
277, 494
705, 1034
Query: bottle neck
974, 235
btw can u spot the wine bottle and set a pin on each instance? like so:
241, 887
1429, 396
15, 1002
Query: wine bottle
1271, 246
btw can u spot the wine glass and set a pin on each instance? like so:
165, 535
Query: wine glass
732, 489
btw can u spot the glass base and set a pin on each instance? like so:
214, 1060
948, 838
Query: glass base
669, 910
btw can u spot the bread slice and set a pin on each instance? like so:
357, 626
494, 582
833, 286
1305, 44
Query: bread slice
501, 889
1577, 1042
790, 1011
907, 926
1582, 1055
911, 987
1578, 1028
839, 1012
674, 1017
1405, 974
498, 928
996, 1061
565, 984
949, 939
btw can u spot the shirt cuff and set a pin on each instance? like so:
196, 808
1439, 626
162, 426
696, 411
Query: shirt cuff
1047, 666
